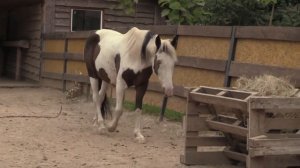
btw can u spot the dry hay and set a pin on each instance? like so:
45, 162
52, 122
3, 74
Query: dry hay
74, 91
267, 85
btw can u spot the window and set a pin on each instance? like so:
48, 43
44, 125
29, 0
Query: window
86, 20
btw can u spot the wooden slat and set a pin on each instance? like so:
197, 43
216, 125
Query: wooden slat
195, 123
235, 155
205, 141
269, 33
205, 31
48, 55
251, 70
274, 103
77, 78
273, 151
52, 75
282, 123
202, 63
219, 100
227, 128
20, 43
231, 57
161, 29
271, 142
204, 158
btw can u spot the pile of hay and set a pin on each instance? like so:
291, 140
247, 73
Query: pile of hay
267, 85
74, 91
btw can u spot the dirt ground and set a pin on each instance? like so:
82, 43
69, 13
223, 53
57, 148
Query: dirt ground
71, 141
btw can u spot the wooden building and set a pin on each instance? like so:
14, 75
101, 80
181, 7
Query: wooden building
23, 23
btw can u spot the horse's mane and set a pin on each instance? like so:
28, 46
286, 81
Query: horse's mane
136, 43
167, 47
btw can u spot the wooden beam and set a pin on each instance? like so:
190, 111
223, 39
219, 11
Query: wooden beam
201, 63
19, 43
273, 151
227, 128
269, 33
266, 142
56, 56
205, 141
231, 56
235, 155
274, 103
205, 31
219, 100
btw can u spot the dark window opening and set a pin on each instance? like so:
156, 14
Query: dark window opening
86, 20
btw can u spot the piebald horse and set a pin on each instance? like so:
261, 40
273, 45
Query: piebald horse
126, 60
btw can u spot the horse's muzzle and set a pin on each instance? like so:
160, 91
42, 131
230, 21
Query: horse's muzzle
169, 91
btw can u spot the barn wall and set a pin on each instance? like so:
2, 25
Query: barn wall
3, 21
25, 23
202, 53
58, 14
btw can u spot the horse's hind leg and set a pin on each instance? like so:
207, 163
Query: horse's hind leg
98, 99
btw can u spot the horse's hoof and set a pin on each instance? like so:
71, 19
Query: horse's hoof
140, 140
102, 130
111, 129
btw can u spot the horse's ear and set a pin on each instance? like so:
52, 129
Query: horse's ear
157, 42
174, 41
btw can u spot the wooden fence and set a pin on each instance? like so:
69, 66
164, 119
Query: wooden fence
208, 55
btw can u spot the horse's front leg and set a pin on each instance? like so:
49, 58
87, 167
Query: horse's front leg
140, 92
120, 90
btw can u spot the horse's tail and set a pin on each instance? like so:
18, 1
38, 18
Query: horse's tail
91, 51
105, 108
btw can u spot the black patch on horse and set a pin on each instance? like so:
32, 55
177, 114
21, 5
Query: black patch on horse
91, 51
103, 75
147, 38
137, 79
117, 62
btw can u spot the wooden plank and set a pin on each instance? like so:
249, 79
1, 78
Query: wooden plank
195, 123
227, 128
269, 33
282, 123
205, 141
74, 57
56, 56
205, 31
271, 142
235, 155
251, 70
84, 4
219, 100
52, 75
205, 158
273, 151
201, 63
48, 16
18, 64
77, 78
161, 29
19, 43
274, 103
56, 35
231, 56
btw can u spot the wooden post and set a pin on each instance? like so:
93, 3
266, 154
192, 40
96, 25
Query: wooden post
18, 63
231, 55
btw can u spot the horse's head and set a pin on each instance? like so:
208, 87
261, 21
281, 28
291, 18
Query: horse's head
164, 62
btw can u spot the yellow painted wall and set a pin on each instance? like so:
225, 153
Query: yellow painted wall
76, 45
54, 46
55, 66
214, 48
76, 67
267, 52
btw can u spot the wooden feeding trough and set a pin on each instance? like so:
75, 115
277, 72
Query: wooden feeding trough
216, 127
274, 136
235, 128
